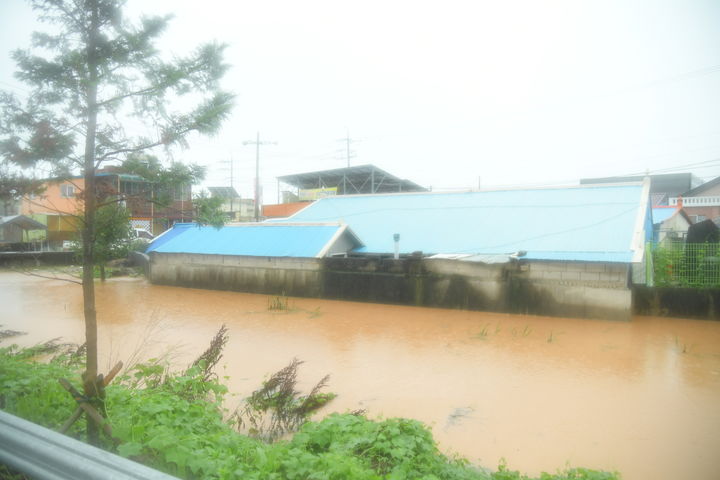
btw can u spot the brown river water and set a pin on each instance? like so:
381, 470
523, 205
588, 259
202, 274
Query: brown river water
641, 397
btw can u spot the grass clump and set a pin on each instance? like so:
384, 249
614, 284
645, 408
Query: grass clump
278, 303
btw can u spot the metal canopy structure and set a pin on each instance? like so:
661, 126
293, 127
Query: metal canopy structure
352, 180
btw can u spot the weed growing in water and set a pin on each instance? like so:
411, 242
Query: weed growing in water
551, 338
278, 303
483, 333
682, 348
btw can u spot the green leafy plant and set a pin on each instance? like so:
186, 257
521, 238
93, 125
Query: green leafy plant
277, 408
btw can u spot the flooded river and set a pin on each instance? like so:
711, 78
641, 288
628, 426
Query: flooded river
641, 397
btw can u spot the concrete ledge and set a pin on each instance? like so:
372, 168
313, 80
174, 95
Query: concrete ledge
36, 259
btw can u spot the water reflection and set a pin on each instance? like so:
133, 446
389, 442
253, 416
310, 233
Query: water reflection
640, 397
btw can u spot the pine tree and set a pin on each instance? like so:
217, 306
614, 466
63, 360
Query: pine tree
93, 78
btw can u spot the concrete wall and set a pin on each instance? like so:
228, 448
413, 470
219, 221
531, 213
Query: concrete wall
587, 290
573, 289
677, 302
563, 289
271, 275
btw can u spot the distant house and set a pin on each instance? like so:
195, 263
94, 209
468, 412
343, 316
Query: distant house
60, 206
236, 209
663, 187
283, 210
702, 202
670, 224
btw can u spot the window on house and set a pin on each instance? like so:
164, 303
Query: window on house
67, 190
699, 218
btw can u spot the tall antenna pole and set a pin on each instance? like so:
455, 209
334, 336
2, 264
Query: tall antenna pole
347, 141
347, 145
257, 144
232, 187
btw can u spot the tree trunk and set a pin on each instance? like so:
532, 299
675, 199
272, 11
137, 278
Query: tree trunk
88, 231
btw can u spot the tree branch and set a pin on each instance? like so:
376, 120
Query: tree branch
144, 91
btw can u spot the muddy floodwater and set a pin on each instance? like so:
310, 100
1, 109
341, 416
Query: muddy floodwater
642, 397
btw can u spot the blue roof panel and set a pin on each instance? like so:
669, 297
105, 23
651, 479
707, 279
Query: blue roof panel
168, 235
251, 240
583, 223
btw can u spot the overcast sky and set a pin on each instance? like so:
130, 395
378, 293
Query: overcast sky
450, 94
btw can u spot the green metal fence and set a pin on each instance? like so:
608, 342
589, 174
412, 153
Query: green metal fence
686, 265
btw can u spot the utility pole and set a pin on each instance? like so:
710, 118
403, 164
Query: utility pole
347, 140
232, 188
257, 144
347, 147
232, 185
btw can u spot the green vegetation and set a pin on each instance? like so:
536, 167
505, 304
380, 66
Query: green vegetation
686, 265
175, 422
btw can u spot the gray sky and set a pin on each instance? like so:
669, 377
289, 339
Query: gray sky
447, 92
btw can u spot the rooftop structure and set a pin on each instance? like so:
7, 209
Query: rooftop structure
361, 179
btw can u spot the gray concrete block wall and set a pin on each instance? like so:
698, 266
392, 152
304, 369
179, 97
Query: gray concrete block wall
589, 290
271, 275
583, 289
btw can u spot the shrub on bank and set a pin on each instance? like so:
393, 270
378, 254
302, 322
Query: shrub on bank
178, 426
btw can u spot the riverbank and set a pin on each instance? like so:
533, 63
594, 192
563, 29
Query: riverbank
175, 422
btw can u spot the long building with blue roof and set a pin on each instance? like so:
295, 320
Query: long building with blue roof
570, 251
604, 223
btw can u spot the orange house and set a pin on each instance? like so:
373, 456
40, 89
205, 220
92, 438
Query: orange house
58, 207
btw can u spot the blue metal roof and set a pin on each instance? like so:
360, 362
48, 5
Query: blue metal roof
252, 240
587, 223
168, 235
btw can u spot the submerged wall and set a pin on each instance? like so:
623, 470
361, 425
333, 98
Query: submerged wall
677, 302
289, 276
588, 290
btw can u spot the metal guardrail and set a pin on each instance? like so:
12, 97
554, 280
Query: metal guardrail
43, 454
